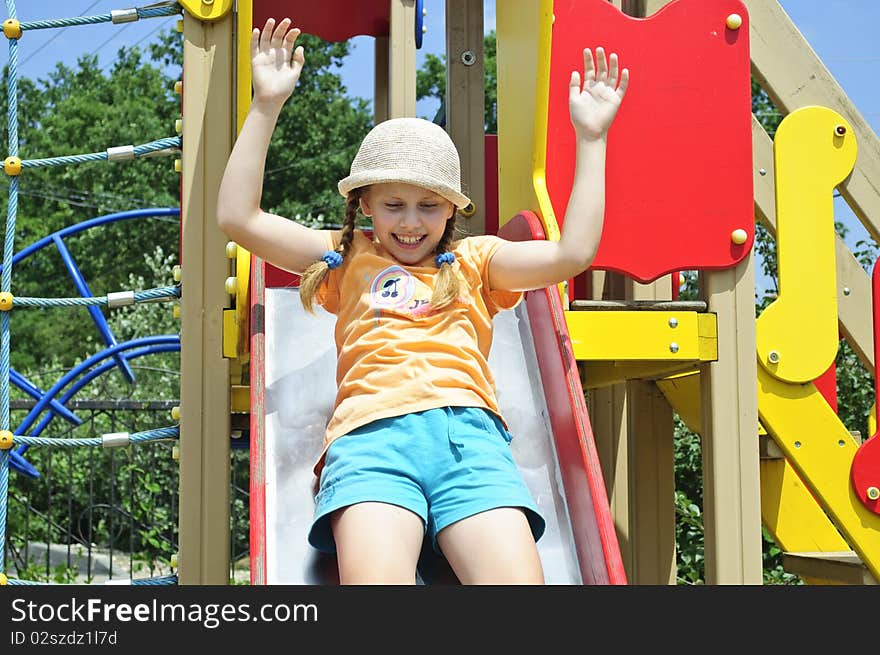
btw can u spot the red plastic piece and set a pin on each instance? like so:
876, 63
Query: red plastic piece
865, 469
679, 165
330, 20
589, 510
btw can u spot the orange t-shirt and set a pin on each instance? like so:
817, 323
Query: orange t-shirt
397, 356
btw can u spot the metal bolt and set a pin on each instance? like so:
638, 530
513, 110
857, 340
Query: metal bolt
846, 291
873, 493
840, 130
762, 171
773, 357
797, 444
841, 443
673, 322
468, 58
673, 347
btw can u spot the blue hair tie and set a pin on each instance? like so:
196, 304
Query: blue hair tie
445, 258
332, 258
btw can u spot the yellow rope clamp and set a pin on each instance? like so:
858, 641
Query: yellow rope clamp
5, 440
6, 301
12, 166
12, 29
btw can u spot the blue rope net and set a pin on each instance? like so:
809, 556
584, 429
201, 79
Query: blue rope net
160, 146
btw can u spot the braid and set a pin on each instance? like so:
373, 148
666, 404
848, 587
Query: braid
446, 286
314, 275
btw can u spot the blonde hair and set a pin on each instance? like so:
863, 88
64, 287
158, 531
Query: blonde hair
447, 286
314, 275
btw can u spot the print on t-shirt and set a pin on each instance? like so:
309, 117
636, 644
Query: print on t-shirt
396, 289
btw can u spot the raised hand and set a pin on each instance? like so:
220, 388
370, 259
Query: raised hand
594, 105
275, 64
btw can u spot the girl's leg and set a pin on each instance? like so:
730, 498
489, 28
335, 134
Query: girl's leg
377, 543
492, 547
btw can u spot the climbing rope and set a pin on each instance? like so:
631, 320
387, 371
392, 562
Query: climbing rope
13, 167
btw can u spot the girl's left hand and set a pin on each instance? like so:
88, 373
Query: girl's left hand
593, 108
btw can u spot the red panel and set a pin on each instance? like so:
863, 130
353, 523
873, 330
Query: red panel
258, 425
491, 213
865, 473
679, 178
827, 386
594, 533
331, 20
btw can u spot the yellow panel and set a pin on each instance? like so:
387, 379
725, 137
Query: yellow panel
641, 335
207, 10
797, 338
243, 301
230, 334
683, 394
519, 26
240, 400
791, 515
821, 450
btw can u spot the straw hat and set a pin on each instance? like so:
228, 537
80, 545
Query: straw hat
410, 150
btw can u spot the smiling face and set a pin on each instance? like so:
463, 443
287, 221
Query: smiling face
408, 221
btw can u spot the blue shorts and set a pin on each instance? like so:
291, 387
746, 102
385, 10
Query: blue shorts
443, 464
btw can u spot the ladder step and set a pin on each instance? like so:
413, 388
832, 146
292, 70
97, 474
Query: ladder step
844, 567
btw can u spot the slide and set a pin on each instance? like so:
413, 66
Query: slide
293, 364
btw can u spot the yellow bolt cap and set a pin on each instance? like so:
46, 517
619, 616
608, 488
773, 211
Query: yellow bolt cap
175, 453
178, 87
180, 25
175, 413
177, 166
734, 21
5, 440
739, 236
12, 29
175, 311
3, 579
178, 126
176, 272
231, 250
230, 284
6, 301
468, 211
873, 493
12, 166
173, 560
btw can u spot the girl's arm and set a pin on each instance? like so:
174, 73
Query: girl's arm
276, 67
524, 265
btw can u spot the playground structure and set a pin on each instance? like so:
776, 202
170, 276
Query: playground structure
683, 195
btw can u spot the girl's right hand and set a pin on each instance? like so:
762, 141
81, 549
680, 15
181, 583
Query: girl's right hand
275, 65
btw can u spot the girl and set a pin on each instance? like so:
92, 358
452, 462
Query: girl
416, 445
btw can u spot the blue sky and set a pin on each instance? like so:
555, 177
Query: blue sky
842, 32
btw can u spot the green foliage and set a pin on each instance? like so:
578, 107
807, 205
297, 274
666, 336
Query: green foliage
316, 138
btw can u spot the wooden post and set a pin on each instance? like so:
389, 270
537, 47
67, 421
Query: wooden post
208, 92
402, 60
465, 103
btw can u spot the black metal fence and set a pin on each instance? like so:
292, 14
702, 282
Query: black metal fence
97, 514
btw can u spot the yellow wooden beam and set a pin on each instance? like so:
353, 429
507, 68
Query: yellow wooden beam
820, 449
595, 375
672, 336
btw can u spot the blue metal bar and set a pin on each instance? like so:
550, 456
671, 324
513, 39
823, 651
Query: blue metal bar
167, 343
76, 371
97, 316
35, 392
95, 222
